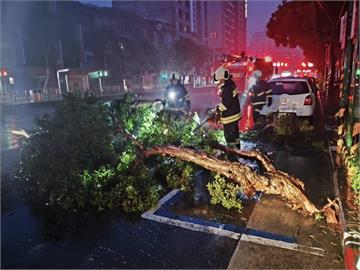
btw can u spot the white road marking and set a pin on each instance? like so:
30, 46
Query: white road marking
222, 232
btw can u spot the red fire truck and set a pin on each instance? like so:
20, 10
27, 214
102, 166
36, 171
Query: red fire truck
242, 67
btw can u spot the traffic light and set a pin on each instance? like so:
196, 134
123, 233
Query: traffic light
4, 72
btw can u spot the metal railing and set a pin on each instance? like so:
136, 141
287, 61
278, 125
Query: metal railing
30, 96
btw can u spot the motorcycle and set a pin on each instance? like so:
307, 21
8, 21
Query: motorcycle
173, 102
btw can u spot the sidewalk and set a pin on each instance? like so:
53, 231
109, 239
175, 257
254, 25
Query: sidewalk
313, 245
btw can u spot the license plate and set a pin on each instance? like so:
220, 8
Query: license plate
286, 109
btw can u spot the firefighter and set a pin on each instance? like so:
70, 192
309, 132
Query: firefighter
260, 94
229, 108
176, 96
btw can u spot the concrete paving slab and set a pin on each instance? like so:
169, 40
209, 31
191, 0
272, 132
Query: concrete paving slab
271, 215
255, 256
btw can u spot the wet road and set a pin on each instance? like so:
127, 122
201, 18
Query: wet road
17, 118
31, 240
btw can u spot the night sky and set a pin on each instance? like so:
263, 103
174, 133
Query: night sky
259, 13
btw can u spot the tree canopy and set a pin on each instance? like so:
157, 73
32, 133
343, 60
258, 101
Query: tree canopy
185, 55
309, 25
124, 57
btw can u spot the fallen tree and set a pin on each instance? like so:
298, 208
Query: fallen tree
117, 157
269, 181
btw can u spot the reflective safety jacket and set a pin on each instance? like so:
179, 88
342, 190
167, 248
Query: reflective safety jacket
230, 106
261, 90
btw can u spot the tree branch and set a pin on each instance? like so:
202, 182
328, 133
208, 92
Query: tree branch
272, 182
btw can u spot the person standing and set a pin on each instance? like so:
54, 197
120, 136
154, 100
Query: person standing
260, 92
229, 108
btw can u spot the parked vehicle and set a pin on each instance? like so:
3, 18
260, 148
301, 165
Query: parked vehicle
291, 95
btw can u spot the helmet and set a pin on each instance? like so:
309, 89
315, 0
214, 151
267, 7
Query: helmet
221, 73
257, 74
174, 76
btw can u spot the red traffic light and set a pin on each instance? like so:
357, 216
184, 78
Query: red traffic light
3, 72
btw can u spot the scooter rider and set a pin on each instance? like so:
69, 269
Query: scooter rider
176, 96
229, 108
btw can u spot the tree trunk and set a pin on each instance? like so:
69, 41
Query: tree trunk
271, 181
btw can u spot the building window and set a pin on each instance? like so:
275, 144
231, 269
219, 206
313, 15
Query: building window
213, 35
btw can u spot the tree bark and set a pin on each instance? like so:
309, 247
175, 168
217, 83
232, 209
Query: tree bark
271, 181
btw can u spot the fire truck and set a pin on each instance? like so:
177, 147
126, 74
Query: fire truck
242, 67
238, 67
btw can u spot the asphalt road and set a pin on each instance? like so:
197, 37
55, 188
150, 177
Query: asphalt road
33, 240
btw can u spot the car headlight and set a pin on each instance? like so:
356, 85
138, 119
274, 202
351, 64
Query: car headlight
172, 95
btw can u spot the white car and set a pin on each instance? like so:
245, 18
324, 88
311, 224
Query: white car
291, 95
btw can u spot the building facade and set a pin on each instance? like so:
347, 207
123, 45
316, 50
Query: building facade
218, 25
224, 26
181, 15
40, 37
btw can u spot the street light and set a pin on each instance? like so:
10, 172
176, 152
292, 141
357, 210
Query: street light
66, 80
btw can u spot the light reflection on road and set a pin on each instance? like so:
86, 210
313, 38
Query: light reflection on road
17, 121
